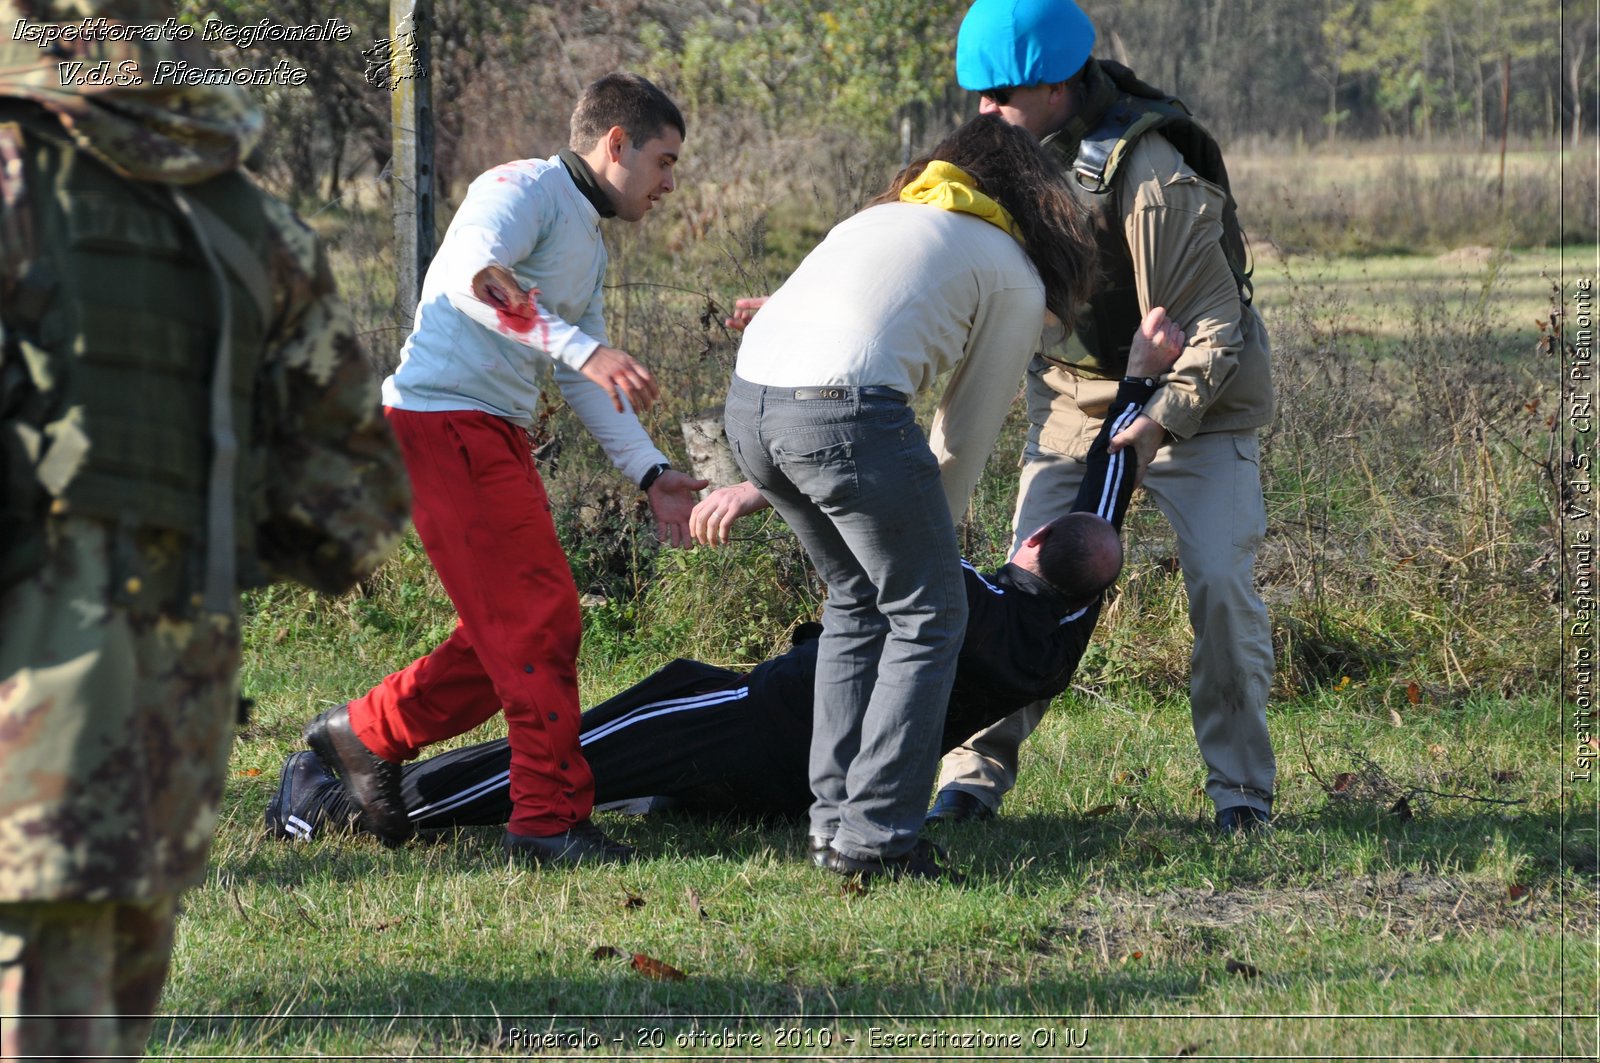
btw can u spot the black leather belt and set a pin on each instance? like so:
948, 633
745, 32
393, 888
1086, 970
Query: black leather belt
838, 394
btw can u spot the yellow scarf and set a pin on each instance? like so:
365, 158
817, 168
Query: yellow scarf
950, 188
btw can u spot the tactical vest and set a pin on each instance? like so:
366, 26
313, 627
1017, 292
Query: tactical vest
1106, 326
111, 348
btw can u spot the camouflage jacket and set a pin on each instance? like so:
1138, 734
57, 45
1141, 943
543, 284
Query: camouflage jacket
117, 689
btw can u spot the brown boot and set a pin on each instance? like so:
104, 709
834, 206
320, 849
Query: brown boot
372, 782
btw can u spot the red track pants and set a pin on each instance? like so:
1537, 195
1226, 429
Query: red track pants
484, 519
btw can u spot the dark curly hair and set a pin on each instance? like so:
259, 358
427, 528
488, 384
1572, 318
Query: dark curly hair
1008, 165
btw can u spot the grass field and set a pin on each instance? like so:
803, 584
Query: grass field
1430, 890
1099, 902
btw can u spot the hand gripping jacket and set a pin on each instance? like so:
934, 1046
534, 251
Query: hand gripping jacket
1121, 109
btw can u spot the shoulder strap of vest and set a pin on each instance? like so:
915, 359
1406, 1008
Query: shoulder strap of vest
230, 247
1101, 152
220, 592
1138, 110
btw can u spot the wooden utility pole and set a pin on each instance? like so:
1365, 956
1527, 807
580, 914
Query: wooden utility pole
411, 132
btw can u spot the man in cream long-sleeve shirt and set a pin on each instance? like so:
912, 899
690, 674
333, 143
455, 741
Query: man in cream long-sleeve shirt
512, 298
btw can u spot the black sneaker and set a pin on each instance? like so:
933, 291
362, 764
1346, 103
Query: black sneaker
1242, 819
582, 843
922, 860
310, 801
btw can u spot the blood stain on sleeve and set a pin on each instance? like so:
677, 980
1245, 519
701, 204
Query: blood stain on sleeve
520, 322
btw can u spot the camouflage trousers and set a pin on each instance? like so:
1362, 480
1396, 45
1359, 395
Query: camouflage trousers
117, 709
81, 979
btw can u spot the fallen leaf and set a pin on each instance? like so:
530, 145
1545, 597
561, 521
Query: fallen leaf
1394, 718
1517, 893
1401, 810
1243, 970
631, 900
853, 887
1130, 778
694, 902
250, 773
281, 634
1438, 751
606, 952
1136, 955
1505, 775
1413, 693
1099, 810
651, 967
1342, 781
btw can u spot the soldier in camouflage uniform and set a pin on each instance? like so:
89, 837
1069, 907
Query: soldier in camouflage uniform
184, 411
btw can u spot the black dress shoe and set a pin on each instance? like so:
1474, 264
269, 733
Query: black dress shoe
957, 806
922, 860
1242, 819
582, 843
309, 800
371, 782
819, 846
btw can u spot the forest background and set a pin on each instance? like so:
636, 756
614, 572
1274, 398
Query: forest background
1418, 182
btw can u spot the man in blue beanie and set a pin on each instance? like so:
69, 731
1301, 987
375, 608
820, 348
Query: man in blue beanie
1154, 182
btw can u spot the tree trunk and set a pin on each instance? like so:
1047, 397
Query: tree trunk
706, 442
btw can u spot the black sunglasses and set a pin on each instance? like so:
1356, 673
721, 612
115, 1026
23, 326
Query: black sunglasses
1000, 96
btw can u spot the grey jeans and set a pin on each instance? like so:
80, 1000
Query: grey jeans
852, 474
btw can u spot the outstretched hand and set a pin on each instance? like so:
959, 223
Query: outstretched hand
712, 520
619, 373
672, 500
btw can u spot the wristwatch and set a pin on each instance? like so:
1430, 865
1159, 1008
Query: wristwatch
1147, 381
652, 475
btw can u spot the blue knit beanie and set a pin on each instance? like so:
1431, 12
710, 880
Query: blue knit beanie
1010, 43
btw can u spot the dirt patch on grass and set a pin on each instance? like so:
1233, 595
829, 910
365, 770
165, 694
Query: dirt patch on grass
1401, 905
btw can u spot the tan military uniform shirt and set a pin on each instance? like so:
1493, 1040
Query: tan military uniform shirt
1223, 381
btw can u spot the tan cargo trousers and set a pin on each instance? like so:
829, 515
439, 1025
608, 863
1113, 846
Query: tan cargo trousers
1209, 489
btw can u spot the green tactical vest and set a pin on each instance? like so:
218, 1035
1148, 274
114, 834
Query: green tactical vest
1106, 326
110, 348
